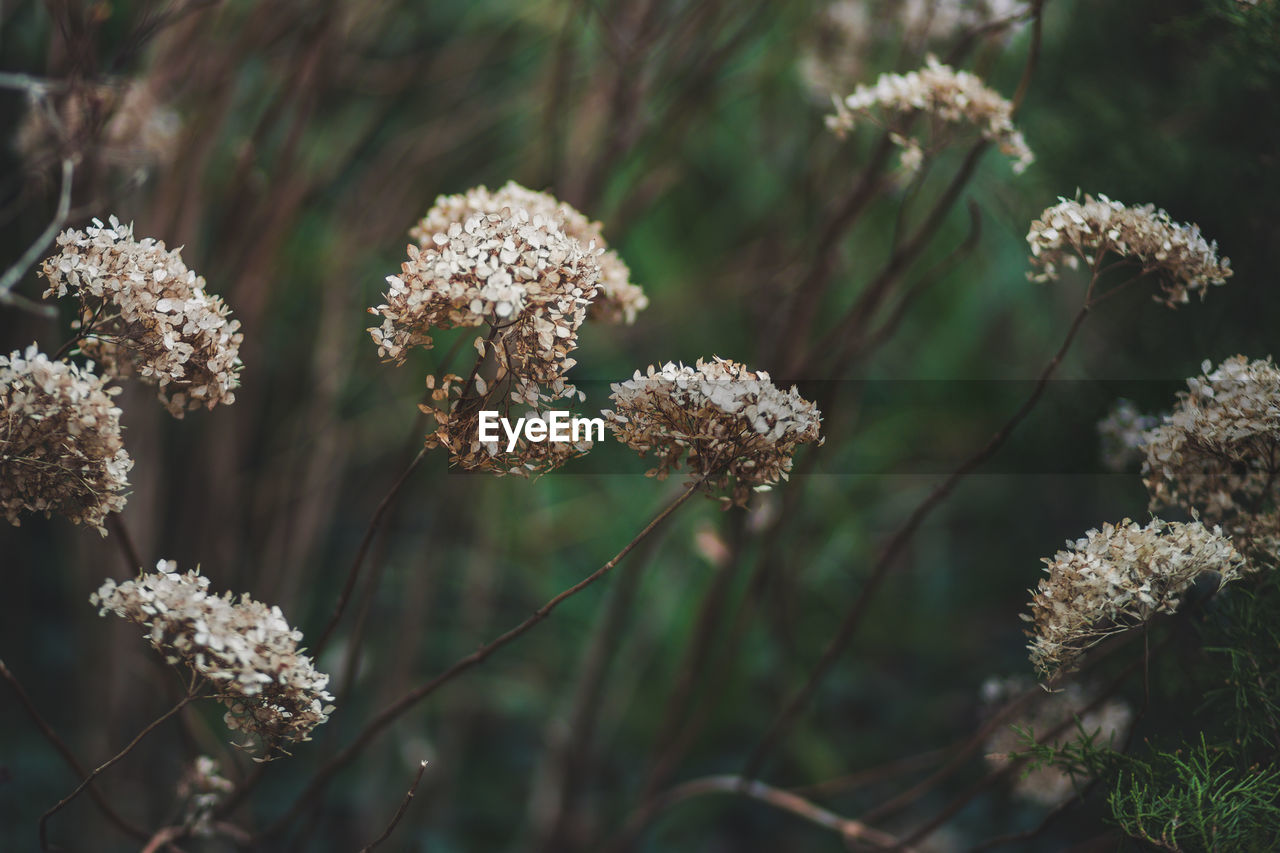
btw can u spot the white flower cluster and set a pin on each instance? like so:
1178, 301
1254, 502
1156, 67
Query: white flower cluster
142, 309
617, 300
519, 273
738, 429
1218, 453
1122, 435
1177, 254
60, 445
244, 648
203, 789
945, 96
1116, 578
1049, 786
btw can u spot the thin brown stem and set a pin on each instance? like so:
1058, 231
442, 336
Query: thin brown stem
388, 715
69, 757
404, 807
850, 830
361, 552
88, 780
960, 801
128, 550
853, 617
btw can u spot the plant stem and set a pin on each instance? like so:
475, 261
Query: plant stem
375, 726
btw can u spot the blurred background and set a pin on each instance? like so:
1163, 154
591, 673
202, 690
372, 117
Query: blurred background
289, 147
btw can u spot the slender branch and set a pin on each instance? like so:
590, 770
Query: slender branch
375, 726
853, 617
128, 550
354, 574
956, 804
404, 807
848, 829
28, 258
44, 819
69, 757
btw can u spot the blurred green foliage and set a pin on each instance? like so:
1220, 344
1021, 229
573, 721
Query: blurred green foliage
314, 134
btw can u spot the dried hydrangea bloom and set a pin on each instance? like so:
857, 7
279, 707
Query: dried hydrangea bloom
617, 300
516, 272
1049, 786
60, 445
947, 98
125, 125
143, 311
1175, 253
244, 649
941, 20
458, 430
727, 423
1122, 435
1116, 578
202, 789
1218, 453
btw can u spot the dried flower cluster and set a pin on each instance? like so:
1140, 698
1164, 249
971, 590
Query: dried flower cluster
457, 428
844, 34
617, 300
1049, 786
1218, 453
244, 648
60, 445
1122, 435
738, 430
124, 125
947, 98
1176, 254
518, 272
938, 20
1116, 578
203, 789
142, 310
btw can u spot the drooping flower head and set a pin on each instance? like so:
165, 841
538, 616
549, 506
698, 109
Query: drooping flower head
617, 299
244, 649
60, 445
1218, 453
1117, 578
728, 424
1176, 254
143, 311
947, 99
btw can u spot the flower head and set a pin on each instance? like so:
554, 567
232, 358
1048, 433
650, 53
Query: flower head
60, 445
142, 310
617, 300
946, 97
517, 272
732, 426
1116, 578
1218, 453
1175, 253
244, 648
